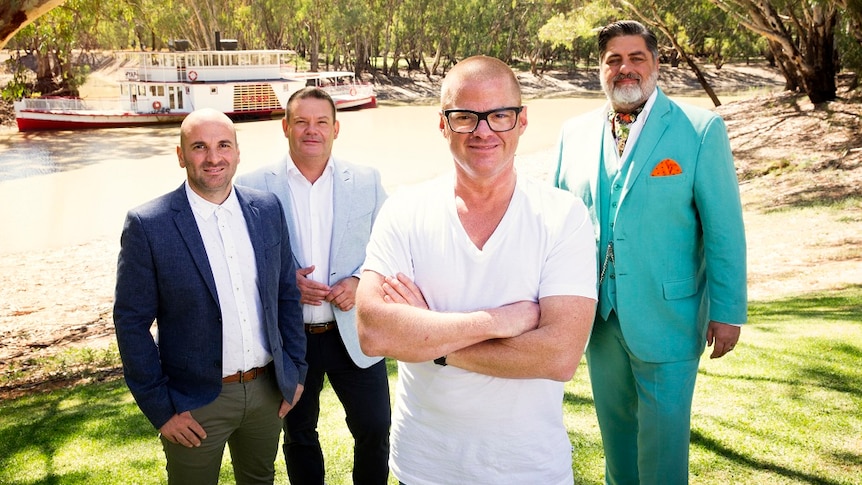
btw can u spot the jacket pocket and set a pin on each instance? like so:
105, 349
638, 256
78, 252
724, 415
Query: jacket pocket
675, 290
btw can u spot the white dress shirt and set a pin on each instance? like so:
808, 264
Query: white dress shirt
231, 257
313, 213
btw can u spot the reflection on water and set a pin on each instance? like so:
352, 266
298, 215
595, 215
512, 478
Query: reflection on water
70, 187
25, 161
39, 153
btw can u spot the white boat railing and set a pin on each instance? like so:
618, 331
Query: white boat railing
69, 104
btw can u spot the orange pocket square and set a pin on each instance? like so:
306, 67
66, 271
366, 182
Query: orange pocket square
666, 167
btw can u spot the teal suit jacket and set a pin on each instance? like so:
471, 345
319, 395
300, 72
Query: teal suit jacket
357, 197
679, 242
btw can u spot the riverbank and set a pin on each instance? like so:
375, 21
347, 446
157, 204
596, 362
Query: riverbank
415, 87
800, 168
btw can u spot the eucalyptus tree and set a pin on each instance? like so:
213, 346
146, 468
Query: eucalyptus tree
17, 14
52, 40
574, 32
801, 36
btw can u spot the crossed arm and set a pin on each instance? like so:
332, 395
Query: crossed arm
520, 340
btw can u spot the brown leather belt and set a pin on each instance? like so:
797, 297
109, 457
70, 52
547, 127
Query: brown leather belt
316, 328
248, 375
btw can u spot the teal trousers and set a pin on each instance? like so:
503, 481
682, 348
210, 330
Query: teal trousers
643, 409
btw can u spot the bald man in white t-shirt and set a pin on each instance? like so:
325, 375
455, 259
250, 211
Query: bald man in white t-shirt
482, 284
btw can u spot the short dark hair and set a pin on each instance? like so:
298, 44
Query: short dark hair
309, 92
627, 27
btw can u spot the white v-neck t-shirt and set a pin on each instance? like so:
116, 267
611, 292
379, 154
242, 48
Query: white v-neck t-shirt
455, 426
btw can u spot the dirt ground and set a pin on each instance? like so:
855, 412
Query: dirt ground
789, 153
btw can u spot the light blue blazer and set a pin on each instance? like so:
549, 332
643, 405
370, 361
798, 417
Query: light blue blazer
679, 240
357, 196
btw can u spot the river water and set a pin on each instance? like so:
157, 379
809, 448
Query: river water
71, 187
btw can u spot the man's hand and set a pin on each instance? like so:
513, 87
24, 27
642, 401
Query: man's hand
343, 293
183, 429
311, 292
401, 289
724, 337
286, 406
515, 318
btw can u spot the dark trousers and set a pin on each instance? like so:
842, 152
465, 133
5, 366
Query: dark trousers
364, 393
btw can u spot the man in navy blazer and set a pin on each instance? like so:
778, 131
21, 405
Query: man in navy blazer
330, 206
211, 264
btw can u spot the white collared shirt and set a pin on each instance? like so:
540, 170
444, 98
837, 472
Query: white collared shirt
231, 257
634, 130
313, 212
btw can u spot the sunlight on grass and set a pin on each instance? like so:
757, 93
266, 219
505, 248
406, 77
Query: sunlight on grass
783, 408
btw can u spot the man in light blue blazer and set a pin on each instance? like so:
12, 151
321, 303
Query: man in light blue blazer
659, 181
211, 264
330, 206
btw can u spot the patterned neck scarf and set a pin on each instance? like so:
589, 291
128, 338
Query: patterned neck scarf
621, 125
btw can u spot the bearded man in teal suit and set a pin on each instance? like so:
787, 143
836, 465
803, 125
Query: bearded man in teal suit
659, 181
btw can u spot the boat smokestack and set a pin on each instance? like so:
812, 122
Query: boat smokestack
218, 41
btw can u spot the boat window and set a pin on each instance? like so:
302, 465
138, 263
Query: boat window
160, 90
233, 59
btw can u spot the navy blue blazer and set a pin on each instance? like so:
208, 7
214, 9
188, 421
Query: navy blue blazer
163, 275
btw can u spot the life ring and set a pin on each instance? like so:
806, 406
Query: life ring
353, 91
157, 105
193, 76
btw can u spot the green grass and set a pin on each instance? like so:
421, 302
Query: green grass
784, 408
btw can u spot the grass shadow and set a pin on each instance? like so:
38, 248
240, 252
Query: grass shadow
718, 448
40, 427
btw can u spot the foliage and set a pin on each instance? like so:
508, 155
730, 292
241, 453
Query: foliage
781, 409
380, 36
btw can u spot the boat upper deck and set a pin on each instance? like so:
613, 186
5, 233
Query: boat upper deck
212, 66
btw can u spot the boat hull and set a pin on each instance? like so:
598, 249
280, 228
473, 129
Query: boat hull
356, 103
164, 87
32, 120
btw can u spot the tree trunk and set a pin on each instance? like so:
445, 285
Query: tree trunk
17, 14
801, 36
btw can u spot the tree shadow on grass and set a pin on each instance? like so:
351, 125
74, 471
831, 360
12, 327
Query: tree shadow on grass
839, 305
729, 454
41, 426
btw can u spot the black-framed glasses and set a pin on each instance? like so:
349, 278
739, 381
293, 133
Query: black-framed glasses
466, 121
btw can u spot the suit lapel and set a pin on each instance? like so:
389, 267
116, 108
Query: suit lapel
251, 214
648, 140
276, 182
188, 229
593, 148
342, 200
